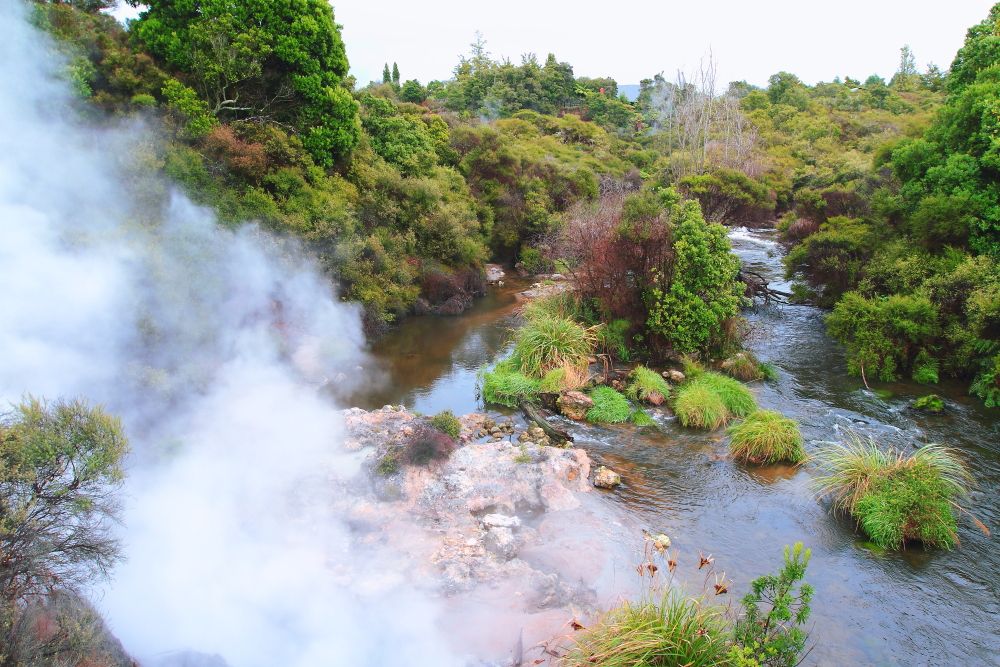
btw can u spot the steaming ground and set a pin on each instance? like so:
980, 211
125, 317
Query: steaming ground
211, 345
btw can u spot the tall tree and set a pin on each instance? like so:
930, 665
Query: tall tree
276, 59
386, 74
395, 75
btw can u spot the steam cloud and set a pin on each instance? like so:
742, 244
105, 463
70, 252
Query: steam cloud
212, 345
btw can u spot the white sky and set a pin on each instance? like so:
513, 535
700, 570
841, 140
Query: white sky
631, 40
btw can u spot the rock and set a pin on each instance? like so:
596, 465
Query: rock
575, 404
456, 305
606, 478
501, 542
674, 376
500, 521
422, 307
494, 274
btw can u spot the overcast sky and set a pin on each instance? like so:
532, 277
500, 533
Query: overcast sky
631, 40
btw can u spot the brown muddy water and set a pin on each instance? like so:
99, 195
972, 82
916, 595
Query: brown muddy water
871, 607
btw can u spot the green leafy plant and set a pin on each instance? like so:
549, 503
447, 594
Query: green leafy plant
925, 368
610, 407
447, 423
766, 437
648, 386
612, 339
769, 633
929, 403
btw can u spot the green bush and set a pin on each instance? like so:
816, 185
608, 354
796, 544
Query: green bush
610, 407
505, 386
612, 339
669, 630
769, 632
925, 368
648, 386
895, 498
447, 423
766, 437
697, 406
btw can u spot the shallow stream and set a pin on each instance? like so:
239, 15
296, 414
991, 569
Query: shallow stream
870, 606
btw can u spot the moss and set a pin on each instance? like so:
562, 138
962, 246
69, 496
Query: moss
642, 418
447, 423
610, 407
766, 437
929, 403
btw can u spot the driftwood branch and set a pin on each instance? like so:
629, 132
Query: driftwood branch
758, 289
534, 413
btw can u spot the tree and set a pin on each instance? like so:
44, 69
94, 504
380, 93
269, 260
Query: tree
906, 77
395, 75
412, 91
60, 466
281, 60
386, 75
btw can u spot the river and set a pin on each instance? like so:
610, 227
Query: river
870, 607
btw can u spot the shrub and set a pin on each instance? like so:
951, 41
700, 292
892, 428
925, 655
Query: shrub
769, 632
743, 366
447, 423
766, 437
610, 407
426, 444
925, 368
612, 339
546, 342
504, 386
648, 386
895, 498
734, 394
670, 630
697, 406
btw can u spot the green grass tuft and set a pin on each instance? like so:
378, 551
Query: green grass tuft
670, 630
766, 437
504, 386
691, 367
697, 406
553, 381
642, 418
649, 386
546, 342
739, 401
769, 371
743, 366
895, 498
447, 423
610, 407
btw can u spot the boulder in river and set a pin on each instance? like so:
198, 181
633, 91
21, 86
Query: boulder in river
674, 376
575, 404
606, 478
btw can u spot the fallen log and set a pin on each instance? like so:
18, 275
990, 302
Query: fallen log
534, 413
757, 287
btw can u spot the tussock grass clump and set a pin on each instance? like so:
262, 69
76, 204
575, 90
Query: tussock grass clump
766, 436
697, 406
670, 630
648, 386
895, 498
564, 378
691, 367
642, 418
739, 401
769, 371
505, 386
743, 366
610, 407
447, 423
563, 305
546, 342
611, 337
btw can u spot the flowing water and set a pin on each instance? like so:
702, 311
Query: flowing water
870, 606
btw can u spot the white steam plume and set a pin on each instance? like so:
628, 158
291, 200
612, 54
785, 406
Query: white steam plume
212, 345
